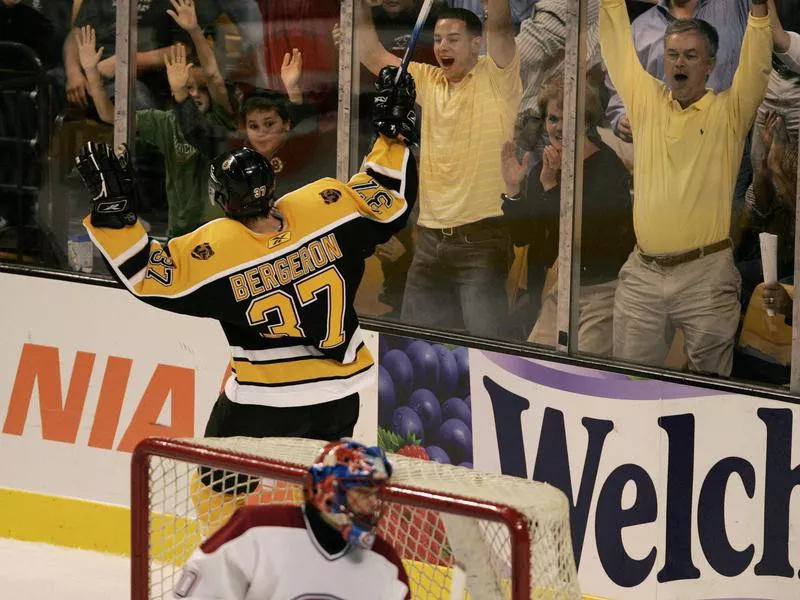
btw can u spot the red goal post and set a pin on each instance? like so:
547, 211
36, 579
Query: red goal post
499, 536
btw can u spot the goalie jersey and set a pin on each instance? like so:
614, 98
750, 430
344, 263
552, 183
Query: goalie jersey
284, 298
271, 552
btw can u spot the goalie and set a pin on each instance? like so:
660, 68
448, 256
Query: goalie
327, 548
279, 275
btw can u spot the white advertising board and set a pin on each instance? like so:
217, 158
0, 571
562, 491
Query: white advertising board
677, 493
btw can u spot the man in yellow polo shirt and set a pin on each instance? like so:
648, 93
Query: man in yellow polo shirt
469, 103
688, 144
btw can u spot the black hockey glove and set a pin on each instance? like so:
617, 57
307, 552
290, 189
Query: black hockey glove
393, 112
110, 182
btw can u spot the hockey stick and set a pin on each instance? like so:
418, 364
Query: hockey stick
423, 16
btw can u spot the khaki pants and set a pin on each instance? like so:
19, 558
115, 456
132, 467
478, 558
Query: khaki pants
596, 309
700, 297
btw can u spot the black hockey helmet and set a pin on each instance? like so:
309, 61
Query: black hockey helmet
242, 183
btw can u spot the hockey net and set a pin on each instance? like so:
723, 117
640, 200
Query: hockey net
455, 529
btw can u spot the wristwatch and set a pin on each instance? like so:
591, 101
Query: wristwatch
505, 197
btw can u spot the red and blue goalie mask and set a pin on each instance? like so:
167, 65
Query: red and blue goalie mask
343, 466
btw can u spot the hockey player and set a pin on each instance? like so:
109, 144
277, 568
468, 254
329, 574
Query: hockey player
325, 549
279, 275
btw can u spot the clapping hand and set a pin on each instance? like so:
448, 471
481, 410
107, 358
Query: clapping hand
551, 166
513, 170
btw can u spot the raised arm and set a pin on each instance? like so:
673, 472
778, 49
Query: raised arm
89, 57
619, 54
371, 52
161, 275
77, 84
291, 75
185, 16
385, 191
500, 33
755, 64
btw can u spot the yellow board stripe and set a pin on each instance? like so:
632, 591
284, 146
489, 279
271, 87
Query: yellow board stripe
74, 523
32, 517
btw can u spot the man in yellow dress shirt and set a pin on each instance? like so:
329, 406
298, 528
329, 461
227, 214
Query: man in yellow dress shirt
469, 103
688, 144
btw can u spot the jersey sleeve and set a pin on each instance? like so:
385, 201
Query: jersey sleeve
385, 190
161, 275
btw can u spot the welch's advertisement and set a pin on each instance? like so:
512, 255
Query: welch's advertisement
675, 492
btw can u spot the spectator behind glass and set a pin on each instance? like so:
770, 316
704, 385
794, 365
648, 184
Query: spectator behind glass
688, 143
186, 169
607, 237
770, 207
270, 121
101, 16
777, 121
463, 249
394, 21
156, 33
541, 40
305, 25
244, 14
729, 18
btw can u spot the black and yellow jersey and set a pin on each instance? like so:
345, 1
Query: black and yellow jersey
285, 298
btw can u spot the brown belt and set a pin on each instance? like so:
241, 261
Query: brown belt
469, 228
684, 257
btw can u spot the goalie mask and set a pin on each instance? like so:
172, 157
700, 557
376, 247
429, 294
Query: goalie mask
349, 466
242, 183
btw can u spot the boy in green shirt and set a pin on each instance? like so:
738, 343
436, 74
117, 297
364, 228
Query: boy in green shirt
186, 169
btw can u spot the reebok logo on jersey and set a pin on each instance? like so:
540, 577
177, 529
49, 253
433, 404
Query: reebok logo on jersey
203, 251
279, 239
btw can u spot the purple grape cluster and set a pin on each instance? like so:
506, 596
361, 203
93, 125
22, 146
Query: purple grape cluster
423, 391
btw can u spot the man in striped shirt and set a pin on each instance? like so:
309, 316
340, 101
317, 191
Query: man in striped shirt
469, 102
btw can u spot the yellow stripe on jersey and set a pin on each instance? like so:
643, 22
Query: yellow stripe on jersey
299, 370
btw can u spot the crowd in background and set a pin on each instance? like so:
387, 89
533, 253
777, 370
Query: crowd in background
481, 256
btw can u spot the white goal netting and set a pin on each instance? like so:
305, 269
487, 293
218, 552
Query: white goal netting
455, 529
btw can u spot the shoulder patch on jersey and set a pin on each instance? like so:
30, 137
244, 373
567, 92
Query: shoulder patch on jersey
277, 164
186, 583
279, 239
203, 251
330, 195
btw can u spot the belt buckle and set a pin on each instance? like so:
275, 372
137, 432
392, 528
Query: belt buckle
447, 231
